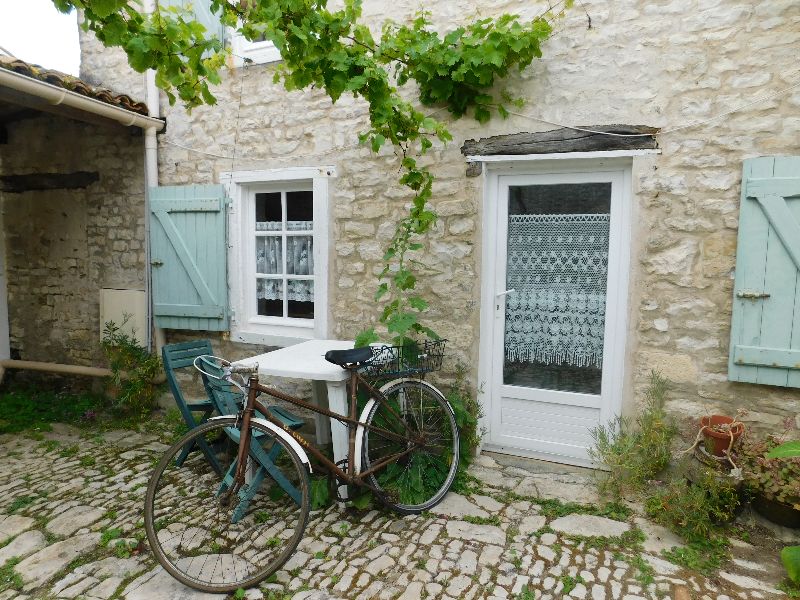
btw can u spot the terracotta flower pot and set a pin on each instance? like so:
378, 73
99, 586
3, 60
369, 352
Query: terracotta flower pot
717, 442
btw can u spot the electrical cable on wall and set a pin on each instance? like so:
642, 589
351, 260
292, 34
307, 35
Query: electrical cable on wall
662, 132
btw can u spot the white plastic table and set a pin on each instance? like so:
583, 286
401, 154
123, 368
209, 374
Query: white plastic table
307, 361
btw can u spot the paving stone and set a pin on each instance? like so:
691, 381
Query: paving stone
157, 584
565, 487
658, 538
487, 534
74, 519
11, 525
531, 524
490, 556
456, 506
748, 582
41, 566
487, 503
24, 544
467, 562
589, 526
412, 592
744, 564
661, 566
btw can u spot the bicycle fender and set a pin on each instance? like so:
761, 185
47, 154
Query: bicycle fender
360, 429
293, 443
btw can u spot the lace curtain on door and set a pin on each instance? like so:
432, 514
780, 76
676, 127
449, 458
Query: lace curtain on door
299, 261
557, 265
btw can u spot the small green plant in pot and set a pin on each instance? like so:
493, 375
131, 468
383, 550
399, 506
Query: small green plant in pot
772, 477
790, 555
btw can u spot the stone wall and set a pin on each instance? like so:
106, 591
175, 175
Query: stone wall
666, 64
63, 246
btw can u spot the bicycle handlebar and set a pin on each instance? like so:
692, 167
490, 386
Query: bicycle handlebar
227, 368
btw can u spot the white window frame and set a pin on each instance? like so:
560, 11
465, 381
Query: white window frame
246, 324
259, 52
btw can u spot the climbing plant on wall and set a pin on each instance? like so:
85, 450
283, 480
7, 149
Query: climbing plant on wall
334, 51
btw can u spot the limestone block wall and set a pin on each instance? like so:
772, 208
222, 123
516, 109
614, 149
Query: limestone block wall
63, 246
668, 64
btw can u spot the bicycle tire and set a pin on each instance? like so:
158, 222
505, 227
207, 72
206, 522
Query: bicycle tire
214, 546
419, 480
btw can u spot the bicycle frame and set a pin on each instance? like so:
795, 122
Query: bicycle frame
351, 422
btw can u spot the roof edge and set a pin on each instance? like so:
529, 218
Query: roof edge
55, 96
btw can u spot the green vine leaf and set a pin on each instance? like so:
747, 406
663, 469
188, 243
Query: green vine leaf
331, 50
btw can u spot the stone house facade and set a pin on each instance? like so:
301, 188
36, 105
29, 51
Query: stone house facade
722, 87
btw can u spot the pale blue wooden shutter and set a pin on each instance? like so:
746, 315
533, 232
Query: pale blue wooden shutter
765, 325
201, 10
188, 257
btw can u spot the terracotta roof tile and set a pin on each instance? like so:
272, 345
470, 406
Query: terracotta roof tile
71, 83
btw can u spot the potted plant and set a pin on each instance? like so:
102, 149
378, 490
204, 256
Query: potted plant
721, 433
773, 478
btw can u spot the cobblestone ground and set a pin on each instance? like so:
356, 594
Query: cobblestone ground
70, 527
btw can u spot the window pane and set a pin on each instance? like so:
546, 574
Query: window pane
269, 297
300, 255
299, 210
301, 298
557, 266
268, 212
269, 255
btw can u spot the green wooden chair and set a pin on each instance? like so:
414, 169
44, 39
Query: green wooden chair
182, 356
227, 400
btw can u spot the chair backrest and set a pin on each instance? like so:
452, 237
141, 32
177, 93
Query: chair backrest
223, 395
181, 356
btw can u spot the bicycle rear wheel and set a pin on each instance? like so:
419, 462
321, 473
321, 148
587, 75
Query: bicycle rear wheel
213, 539
415, 474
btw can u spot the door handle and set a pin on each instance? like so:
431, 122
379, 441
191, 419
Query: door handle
501, 295
156, 263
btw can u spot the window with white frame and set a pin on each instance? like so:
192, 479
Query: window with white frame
278, 258
258, 51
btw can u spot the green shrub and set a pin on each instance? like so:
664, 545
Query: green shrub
134, 369
695, 509
635, 452
468, 412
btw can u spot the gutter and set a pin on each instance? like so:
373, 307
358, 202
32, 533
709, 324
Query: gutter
155, 335
55, 96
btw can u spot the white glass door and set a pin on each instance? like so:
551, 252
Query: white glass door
555, 333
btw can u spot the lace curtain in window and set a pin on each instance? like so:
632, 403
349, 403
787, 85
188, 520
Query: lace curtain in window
299, 261
557, 265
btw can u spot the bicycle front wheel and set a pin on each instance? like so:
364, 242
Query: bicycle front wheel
210, 535
411, 442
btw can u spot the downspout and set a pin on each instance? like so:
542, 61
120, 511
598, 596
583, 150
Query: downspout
151, 180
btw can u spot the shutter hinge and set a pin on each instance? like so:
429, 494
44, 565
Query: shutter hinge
748, 295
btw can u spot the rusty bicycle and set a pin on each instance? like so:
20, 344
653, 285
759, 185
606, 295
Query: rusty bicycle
220, 532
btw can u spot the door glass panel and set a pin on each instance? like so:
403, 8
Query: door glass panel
557, 265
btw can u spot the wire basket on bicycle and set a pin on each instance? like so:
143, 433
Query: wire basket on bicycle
409, 360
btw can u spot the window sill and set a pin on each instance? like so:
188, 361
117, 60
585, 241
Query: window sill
274, 336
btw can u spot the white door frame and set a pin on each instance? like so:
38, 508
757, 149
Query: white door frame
617, 293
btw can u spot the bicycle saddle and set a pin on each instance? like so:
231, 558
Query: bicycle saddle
353, 356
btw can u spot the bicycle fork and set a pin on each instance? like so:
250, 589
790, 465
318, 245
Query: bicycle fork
232, 493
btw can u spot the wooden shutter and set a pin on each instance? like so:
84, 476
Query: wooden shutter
188, 257
201, 10
765, 326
